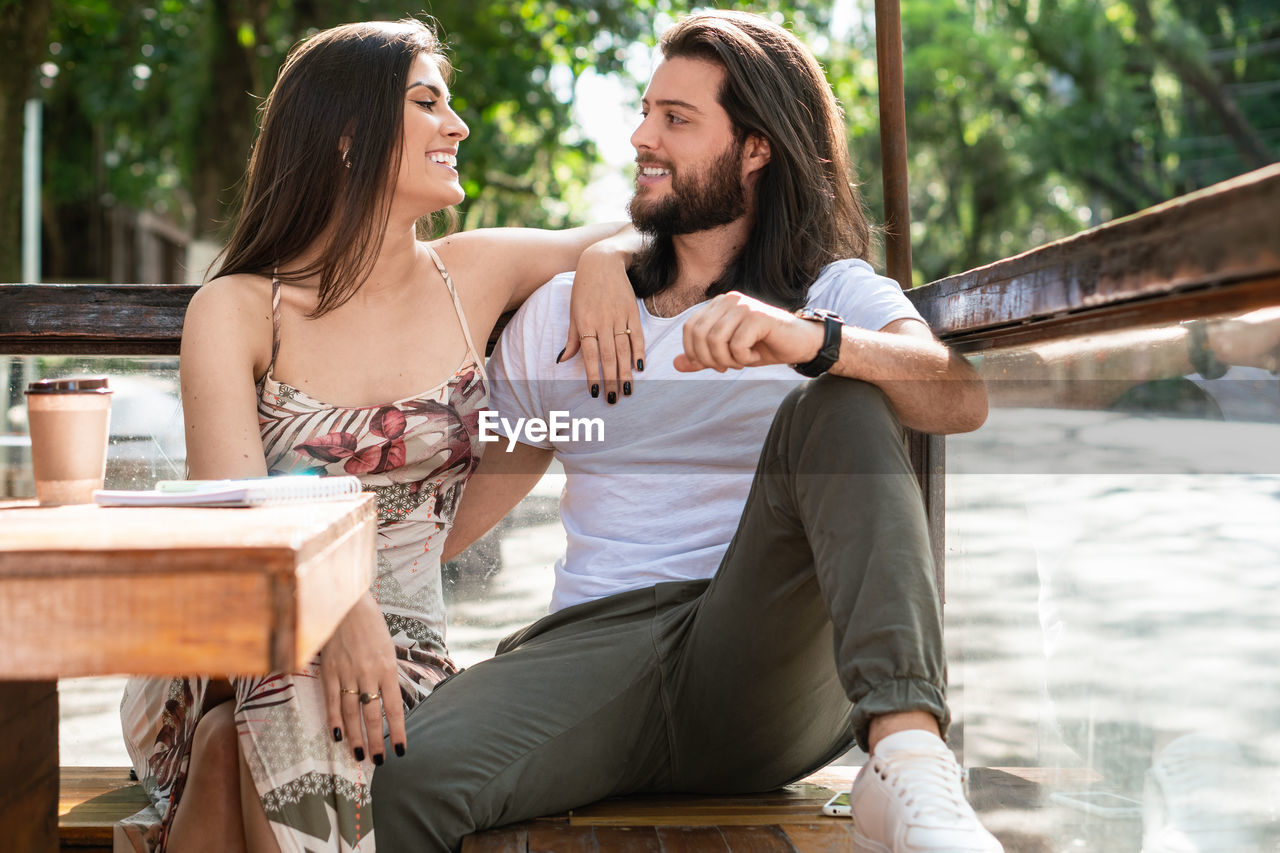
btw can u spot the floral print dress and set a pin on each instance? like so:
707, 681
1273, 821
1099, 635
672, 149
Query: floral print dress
415, 455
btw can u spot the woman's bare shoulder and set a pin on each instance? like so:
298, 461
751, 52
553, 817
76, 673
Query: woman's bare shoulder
465, 248
233, 297
231, 313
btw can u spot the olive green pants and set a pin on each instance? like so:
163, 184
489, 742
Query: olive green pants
823, 614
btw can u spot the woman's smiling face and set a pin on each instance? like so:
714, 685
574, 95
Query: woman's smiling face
428, 175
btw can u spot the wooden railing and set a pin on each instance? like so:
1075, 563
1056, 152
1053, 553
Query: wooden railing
1215, 249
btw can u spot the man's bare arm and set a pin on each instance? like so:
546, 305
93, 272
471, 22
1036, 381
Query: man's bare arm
930, 388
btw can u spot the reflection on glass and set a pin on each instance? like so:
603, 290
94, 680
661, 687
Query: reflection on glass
146, 420
1113, 594
503, 582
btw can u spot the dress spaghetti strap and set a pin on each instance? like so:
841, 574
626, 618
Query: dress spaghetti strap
457, 305
275, 323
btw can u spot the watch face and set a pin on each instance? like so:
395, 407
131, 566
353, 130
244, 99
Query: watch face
818, 314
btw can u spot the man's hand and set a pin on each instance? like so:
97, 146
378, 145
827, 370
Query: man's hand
734, 331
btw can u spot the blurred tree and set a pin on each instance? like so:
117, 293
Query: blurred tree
1031, 119
152, 105
24, 26
1027, 119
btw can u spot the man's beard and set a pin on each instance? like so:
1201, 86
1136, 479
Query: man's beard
703, 200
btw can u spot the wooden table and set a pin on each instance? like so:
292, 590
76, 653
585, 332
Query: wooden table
86, 590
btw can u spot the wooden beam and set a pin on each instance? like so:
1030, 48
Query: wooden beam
92, 319
1221, 238
103, 319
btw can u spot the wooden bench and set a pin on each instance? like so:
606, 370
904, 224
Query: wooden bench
92, 799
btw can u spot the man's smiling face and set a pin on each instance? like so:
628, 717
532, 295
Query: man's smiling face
689, 165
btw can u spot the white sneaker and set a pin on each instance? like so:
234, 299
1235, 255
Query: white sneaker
909, 798
1197, 799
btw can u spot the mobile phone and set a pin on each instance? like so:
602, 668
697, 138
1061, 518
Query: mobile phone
1101, 803
837, 806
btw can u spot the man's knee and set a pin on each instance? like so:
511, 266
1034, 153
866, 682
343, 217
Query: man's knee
839, 400
832, 425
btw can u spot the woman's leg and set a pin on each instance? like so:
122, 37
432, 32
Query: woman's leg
209, 814
257, 829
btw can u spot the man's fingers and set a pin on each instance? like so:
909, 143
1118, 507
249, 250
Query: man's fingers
719, 340
694, 343
743, 346
684, 364
698, 334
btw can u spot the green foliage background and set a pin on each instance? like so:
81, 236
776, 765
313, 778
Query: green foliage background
1027, 119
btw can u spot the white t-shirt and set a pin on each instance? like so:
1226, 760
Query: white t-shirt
659, 498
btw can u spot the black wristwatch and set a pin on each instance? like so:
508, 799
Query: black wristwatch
829, 354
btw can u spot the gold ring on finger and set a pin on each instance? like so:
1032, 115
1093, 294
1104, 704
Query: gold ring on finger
584, 337
349, 690
366, 698
623, 332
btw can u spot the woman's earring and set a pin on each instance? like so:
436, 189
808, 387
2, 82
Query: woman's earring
346, 158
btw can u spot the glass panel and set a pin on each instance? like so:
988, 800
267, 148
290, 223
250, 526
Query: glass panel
146, 442
1113, 590
503, 582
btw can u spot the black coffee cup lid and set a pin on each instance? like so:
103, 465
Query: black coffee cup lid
73, 385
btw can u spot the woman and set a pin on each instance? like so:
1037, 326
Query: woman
326, 307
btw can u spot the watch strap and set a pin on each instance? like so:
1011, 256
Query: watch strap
829, 353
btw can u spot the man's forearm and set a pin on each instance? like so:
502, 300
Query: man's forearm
931, 388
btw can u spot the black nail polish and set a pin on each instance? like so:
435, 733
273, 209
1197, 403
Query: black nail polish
399, 750
359, 751
337, 735
378, 759
613, 398
595, 390
626, 389
561, 355
640, 364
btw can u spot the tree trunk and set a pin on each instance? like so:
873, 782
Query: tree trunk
24, 30
224, 132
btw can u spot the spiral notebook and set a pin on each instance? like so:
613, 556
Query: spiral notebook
255, 491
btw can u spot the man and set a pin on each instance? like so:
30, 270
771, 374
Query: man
648, 676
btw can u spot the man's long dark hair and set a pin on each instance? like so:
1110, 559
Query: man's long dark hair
344, 83
807, 212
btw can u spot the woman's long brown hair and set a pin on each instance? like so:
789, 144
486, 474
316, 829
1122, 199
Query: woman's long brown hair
305, 183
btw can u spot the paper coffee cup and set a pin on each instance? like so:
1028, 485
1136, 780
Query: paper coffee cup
69, 422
